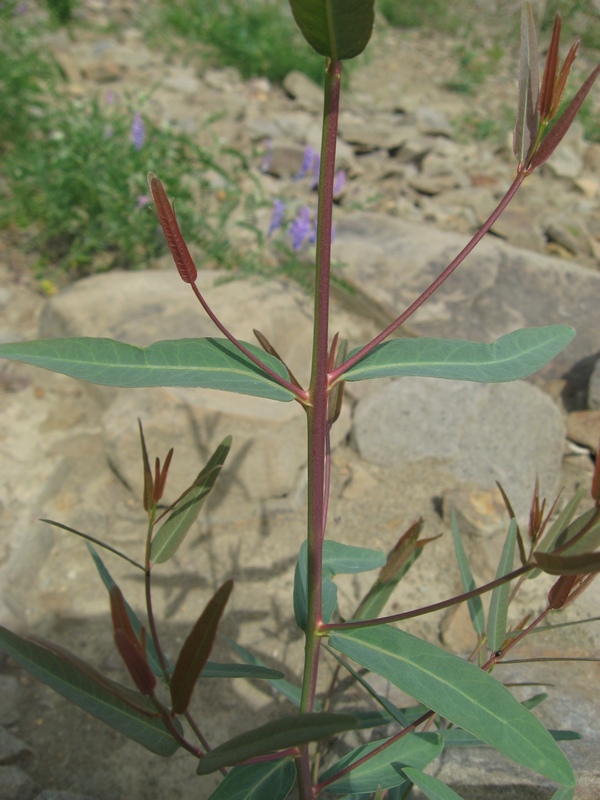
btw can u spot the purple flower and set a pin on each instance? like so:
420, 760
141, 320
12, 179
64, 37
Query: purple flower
307, 163
109, 97
276, 216
142, 201
138, 132
302, 228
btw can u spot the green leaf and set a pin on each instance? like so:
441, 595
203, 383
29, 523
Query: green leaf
288, 690
581, 542
277, 735
338, 559
108, 582
338, 29
458, 691
559, 525
498, 611
214, 670
564, 793
383, 769
432, 788
91, 691
170, 536
196, 649
399, 560
475, 605
457, 737
206, 363
272, 780
509, 358
527, 122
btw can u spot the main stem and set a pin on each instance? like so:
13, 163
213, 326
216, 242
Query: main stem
316, 410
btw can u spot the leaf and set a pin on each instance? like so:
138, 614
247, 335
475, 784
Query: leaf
206, 363
214, 670
272, 780
109, 583
338, 559
432, 788
550, 75
168, 222
129, 646
170, 536
338, 29
564, 793
474, 604
498, 611
526, 125
277, 735
581, 564
92, 692
458, 691
457, 737
383, 769
513, 356
559, 525
399, 560
288, 690
558, 131
581, 535
196, 649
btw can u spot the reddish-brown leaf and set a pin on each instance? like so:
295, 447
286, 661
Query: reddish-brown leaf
168, 222
582, 563
129, 645
148, 484
596, 478
196, 649
550, 72
556, 134
561, 82
558, 594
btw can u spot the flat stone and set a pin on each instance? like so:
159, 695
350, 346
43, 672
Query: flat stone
16, 784
10, 692
583, 427
481, 433
12, 749
306, 93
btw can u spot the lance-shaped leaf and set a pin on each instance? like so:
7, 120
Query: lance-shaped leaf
272, 780
498, 611
214, 670
338, 559
581, 564
385, 768
129, 646
509, 358
398, 562
558, 526
277, 735
196, 649
582, 535
338, 29
109, 583
564, 793
474, 604
128, 712
526, 126
458, 691
558, 131
432, 788
170, 536
205, 363
168, 222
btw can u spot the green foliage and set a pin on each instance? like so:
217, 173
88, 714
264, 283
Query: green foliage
418, 14
258, 38
474, 65
61, 11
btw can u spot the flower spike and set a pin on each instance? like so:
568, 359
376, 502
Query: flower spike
168, 222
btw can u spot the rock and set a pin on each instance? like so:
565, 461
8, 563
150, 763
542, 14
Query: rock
306, 93
103, 71
432, 185
380, 132
583, 427
569, 232
16, 784
479, 512
432, 122
519, 228
511, 433
498, 288
9, 699
12, 749
594, 387
52, 794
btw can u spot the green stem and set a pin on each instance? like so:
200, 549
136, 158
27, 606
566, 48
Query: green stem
316, 408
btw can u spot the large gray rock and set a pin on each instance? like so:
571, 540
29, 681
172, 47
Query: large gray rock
497, 289
482, 433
